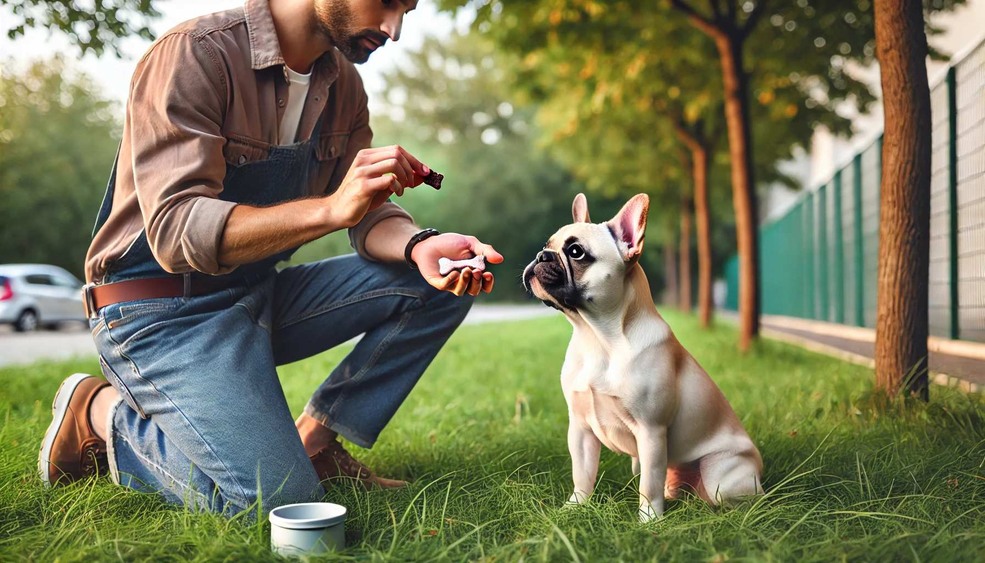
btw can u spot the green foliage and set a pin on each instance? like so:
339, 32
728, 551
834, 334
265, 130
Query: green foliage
58, 139
484, 444
90, 28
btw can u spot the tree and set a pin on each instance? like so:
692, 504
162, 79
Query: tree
904, 228
57, 142
90, 28
700, 143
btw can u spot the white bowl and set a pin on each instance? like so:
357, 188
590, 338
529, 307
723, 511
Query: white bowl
307, 528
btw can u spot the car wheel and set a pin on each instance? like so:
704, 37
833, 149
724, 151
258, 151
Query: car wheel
27, 321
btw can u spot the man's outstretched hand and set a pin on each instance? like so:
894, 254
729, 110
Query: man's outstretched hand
457, 247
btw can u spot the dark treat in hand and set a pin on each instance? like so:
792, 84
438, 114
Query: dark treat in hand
434, 179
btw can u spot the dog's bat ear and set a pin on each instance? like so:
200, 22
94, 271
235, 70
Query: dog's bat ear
579, 209
629, 226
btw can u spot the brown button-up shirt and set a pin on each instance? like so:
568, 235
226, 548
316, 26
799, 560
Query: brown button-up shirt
209, 92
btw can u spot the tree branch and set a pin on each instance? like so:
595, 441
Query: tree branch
686, 135
731, 9
697, 19
754, 16
716, 8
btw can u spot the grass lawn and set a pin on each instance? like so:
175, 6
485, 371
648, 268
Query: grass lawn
484, 441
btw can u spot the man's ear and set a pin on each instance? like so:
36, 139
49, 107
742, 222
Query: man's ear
579, 209
629, 225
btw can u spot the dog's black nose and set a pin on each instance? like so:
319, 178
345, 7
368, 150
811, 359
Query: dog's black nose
547, 256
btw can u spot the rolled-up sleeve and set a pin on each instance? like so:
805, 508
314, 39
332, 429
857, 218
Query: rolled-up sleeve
175, 112
359, 139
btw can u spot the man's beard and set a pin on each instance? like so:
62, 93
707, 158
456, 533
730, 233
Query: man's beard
333, 19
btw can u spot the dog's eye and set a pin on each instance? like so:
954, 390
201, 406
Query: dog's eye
575, 251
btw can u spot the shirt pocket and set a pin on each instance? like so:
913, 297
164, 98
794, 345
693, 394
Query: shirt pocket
240, 151
329, 151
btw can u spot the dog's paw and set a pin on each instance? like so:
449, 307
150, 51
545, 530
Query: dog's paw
576, 498
648, 514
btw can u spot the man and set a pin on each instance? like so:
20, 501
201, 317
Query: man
246, 136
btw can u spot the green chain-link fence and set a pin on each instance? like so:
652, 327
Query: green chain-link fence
820, 259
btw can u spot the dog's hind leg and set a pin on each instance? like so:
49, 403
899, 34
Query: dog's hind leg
683, 478
729, 478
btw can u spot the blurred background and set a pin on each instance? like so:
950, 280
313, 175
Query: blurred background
521, 104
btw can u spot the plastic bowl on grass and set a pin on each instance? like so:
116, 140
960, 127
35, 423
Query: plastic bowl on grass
307, 528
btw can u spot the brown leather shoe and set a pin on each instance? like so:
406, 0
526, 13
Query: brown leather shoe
334, 462
71, 450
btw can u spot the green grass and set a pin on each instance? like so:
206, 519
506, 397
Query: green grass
484, 442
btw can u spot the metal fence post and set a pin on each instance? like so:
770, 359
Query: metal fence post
822, 253
859, 243
839, 258
809, 255
952, 112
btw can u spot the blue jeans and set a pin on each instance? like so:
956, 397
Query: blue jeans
204, 420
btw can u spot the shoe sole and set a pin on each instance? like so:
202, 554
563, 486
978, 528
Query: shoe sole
59, 409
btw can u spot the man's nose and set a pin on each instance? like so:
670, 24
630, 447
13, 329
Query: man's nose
547, 256
391, 26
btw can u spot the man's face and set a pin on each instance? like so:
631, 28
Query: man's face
359, 27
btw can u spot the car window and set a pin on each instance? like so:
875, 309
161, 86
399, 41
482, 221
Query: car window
39, 279
66, 281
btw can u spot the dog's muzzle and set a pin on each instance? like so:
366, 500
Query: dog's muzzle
547, 267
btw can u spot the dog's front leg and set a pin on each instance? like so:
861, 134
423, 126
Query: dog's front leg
652, 446
584, 448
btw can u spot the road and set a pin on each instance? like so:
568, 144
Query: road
73, 340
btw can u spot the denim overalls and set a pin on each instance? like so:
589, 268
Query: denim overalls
204, 420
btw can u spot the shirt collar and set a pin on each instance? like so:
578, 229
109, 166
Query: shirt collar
264, 46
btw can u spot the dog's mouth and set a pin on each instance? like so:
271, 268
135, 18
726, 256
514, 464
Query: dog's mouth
552, 286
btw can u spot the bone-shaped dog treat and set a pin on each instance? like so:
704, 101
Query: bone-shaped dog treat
446, 265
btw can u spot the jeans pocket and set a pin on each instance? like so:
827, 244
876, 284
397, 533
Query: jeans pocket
124, 320
117, 383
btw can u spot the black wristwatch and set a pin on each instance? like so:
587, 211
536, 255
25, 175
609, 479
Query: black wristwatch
418, 237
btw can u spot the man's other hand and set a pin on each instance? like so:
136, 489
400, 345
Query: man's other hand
457, 247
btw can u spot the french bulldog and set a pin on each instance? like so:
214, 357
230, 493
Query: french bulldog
628, 382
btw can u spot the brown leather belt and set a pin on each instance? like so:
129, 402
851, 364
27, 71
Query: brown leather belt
95, 297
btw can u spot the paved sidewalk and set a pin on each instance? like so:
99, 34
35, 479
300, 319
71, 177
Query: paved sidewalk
956, 363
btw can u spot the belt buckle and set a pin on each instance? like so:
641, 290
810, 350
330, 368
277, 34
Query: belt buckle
87, 302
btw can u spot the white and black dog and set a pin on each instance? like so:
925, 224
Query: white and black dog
629, 383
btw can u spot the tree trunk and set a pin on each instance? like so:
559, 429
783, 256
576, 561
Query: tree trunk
684, 255
670, 272
904, 227
699, 160
743, 187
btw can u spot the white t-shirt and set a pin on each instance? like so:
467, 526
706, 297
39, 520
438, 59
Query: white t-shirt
297, 92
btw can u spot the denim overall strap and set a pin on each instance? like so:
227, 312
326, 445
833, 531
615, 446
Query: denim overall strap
281, 176
107, 204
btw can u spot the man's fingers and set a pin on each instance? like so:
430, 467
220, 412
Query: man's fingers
396, 187
413, 167
390, 166
416, 165
487, 282
475, 286
462, 284
490, 253
452, 282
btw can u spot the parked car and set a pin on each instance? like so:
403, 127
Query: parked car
38, 295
